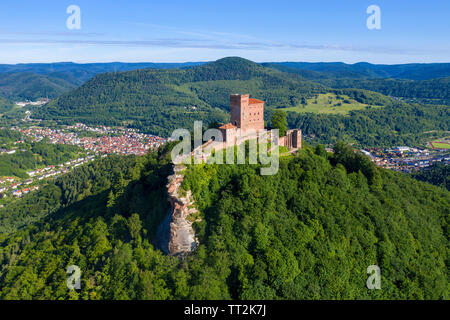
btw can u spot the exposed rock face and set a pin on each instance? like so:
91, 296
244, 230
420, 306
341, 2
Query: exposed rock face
176, 235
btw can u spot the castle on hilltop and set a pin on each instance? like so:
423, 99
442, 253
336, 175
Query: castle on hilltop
247, 116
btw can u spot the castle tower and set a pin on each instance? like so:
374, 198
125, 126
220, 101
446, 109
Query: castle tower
246, 113
293, 139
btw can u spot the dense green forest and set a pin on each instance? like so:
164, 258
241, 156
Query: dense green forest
408, 124
308, 232
83, 182
41, 80
8, 137
5, 105
77, 73
437, 174
159, 101
364, 70
433, 90
29, 86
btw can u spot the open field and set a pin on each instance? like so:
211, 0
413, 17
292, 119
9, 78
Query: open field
329, 103
440, 144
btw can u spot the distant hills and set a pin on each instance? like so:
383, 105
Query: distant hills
423, 83
39, 80
83, 72
310, 70
160, 100
308, 232
364, 70
36, 80
432, 91
31, 86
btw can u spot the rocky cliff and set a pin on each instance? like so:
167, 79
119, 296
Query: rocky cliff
176, 236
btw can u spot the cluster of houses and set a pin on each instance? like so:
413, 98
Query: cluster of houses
9, 185
106, 141
123, 141
19, 193
406, 159
52, 171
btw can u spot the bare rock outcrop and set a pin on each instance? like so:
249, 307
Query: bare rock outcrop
176, 235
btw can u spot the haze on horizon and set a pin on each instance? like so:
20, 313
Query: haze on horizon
201, 30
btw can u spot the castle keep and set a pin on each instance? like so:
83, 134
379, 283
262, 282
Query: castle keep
247, 115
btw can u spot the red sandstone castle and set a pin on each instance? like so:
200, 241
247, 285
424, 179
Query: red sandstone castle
247, 115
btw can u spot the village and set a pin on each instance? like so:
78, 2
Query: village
18, 188
96, 141
407, 159
104, 140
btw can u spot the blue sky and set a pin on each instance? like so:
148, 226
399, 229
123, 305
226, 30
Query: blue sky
204, 30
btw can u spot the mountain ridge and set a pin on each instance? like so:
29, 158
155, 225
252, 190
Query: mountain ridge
149, 98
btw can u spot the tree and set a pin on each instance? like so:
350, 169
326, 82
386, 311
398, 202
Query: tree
320, 150
134, 225
279, 121
304, 102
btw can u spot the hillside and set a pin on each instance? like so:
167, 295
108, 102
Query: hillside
83, 72
434, 91
361, 70
39, 80
53, 79
5, 105
30, 86
159, 101
437, 174
308, 232
387, 80
77, 73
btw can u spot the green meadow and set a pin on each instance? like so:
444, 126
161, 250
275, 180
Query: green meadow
329, 103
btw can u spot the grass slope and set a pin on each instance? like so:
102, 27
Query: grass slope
329, 103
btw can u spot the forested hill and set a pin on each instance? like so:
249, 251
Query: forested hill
40, 80
78, 73
29, 86
364, 70
434, 91
159, 101
424, 83
35, 80
308, 232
